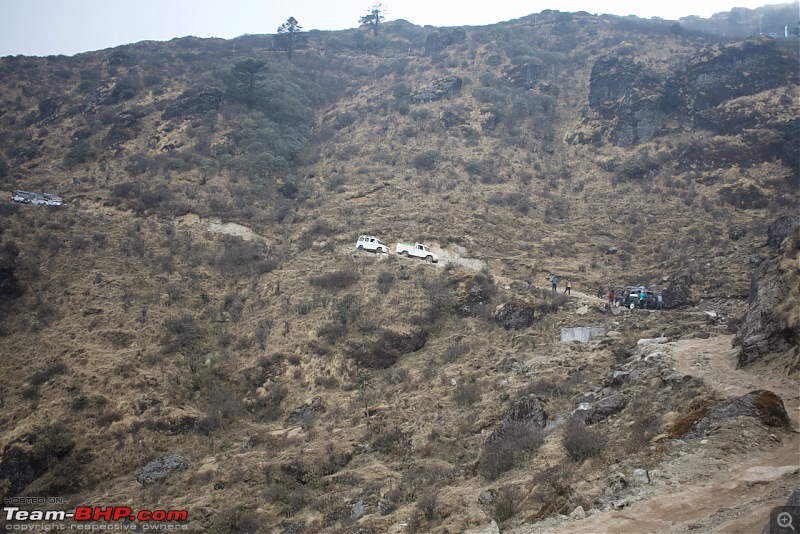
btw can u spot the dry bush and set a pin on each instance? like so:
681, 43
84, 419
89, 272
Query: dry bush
547, 387
454, 351
506, 503
106, 418
467, 394
389, 439
43, 375
426, 503
336, 280
386, 280
644, 428
580, 442
510, 444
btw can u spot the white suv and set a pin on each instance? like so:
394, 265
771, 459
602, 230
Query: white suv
371, 243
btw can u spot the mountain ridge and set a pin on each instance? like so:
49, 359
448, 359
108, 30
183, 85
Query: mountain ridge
200, 294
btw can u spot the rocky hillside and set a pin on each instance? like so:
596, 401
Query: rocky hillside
195, 330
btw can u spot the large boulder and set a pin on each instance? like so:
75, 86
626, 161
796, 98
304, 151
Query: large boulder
678, 293
781, 229
159, 469
515, 315
525, 411
437, 90
525, 75
764, 405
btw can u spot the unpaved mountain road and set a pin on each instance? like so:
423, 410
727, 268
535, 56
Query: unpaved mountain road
721, 489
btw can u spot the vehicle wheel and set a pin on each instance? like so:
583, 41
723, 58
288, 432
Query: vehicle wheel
632, 305
360, 247
404, 253
429, 259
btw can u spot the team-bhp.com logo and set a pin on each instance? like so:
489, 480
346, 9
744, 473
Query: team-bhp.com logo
94, 518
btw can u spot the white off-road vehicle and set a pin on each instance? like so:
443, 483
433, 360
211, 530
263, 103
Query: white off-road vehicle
37, 199
417, 250
371, 243
52, 200
26, 197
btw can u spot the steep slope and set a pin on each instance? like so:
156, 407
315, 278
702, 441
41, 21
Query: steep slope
200, 294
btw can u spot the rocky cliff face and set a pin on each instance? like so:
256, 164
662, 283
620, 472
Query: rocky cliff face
772, 323
723, 72
635, 101
622, 90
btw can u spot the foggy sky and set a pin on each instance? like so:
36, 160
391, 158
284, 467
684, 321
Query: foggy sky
53, 27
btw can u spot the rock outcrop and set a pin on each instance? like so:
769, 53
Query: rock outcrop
515, 315
444, 37
125, 128
623, 90
197, 105
761, 404
160, 468
772, 323
438, 90
525, 75
781, 229
726, 71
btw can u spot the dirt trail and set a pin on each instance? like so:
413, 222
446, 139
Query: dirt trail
734, 497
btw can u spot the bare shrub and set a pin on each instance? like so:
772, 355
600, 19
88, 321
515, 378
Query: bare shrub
547, 387
509, 444
644, 428
427, 503
506, 503
386, 280
553, 484
454, 351
389, 439
42, 376
580, 442
106, 418
467, 394
336, 280
181, 332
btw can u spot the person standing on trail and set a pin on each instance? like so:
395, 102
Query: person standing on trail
642, 296
568, 289
611, 296
555, 284
659, 300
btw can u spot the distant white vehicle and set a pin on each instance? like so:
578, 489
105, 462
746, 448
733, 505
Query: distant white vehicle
417, 250
25, 197
52, 200
371, 243
37, 199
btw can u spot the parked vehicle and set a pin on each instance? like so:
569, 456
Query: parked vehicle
52, 200
26, 197
37, 199
371, 243
417, 250
630, 298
